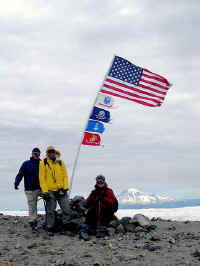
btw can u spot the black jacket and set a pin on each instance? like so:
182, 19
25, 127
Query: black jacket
30, 171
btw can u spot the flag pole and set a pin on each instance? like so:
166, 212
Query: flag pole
82, 136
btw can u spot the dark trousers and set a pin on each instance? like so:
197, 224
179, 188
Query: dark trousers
106, 215
51, 205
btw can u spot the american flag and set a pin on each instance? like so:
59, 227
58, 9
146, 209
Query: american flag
128, 81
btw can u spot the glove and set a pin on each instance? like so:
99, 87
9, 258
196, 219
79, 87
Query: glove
45, 196
66, 192
16, 186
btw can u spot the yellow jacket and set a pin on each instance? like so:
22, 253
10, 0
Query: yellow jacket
53, 175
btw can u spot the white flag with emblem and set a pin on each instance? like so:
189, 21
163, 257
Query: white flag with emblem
104, 101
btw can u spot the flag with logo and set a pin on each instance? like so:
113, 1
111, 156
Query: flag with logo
91, 139
100, 115
95, 126
104, 101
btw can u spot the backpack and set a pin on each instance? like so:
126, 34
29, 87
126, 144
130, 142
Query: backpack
46, 162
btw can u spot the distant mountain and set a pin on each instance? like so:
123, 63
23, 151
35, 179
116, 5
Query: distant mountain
134, 198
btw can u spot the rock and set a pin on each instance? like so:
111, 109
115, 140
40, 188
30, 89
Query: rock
125, 220
141, 220
97, 263
152, 227
32, 245
196, 253
115, 260
129, 227
172, 240
59, 262
155, 238
138, 229
18, 246
111, 231
172, 228
115, 222
151, 247
120, 229
72, 262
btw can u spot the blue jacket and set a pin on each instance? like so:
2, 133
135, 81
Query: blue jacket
30, 171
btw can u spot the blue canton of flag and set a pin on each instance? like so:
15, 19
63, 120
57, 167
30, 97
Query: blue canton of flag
95, 126
125, 71
100, 115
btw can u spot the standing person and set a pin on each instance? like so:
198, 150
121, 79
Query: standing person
101, 204
54, 184
30, 171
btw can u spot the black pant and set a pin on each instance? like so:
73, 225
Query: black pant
106, 215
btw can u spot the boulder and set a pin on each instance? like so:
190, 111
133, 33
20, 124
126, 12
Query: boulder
141, 220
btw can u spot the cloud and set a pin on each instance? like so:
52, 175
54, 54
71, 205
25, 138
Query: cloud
54, 56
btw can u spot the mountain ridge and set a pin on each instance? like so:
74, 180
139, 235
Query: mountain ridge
134, 198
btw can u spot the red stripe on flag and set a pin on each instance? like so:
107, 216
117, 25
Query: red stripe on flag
150, 88
154, 84
127, 98
153, 77
133, 89
163, 79
130, 94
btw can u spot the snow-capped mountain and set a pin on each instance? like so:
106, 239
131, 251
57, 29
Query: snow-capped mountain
134, 196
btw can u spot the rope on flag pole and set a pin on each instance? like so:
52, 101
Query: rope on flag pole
82, 136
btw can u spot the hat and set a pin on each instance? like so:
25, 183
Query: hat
100, 179
50, 148
36, 150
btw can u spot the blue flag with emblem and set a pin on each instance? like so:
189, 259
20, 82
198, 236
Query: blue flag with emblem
95, 126
100, 115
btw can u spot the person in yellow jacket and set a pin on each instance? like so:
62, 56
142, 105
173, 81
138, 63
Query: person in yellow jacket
54, 185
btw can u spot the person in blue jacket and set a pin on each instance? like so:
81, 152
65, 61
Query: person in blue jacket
30, 172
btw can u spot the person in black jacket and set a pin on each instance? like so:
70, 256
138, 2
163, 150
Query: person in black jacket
30, 171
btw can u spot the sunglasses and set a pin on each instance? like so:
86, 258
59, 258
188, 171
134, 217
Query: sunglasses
100, 182
36, 153
51, 151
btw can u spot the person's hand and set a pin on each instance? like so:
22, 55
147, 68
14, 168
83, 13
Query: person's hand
66, 191
16, 186
45, 196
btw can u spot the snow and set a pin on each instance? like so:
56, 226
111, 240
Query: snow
178, 214
135, 196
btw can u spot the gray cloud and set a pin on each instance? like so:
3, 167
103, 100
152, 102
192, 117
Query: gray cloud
54, 56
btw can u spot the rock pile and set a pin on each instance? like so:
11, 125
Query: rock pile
77, 213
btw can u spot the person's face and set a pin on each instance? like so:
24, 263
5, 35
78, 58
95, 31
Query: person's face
51, 154
36, 155
100, 183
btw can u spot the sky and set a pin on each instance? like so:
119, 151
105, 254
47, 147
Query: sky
54, 56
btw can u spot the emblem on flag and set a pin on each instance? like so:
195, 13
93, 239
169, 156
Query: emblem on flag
100, 114
95, 126
104, 100
91, 139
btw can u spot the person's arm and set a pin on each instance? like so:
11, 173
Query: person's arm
111, 199
20, 175
91, 200
65, 176
42, 180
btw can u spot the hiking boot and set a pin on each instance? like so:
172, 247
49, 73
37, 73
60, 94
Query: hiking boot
84, 236
51, 231
33, 226
101, 232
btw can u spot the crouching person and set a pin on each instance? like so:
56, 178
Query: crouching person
101, 205
54, 184
30, 172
